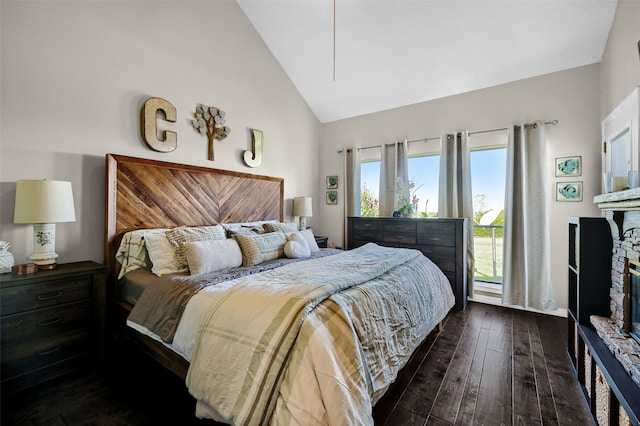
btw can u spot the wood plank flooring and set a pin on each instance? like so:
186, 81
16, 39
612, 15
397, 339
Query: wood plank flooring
490, 366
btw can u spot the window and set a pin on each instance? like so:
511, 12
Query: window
369, 187
488, 172
424, 173
488, 178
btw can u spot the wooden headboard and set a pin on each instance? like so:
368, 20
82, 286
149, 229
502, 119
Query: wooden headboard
143, 193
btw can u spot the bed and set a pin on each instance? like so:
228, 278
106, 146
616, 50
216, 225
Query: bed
277, 339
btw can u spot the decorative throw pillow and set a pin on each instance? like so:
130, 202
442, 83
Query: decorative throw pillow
214, 255
260, 248
162, 254
285, 227
311, 240
132, 252
181, 235
246, 227
296, 246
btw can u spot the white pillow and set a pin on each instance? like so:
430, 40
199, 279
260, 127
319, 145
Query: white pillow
296, 246
212, 255
311, 240
162, 254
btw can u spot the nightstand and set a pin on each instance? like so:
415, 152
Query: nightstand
321, 241
52, 323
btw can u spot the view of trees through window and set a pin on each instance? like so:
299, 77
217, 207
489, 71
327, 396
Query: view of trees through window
488, 175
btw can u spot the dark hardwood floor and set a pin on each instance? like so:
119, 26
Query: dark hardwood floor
490, 366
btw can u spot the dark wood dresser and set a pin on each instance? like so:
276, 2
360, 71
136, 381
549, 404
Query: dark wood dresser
52, 322
444, 241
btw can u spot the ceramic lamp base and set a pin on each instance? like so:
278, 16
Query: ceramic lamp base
44, 246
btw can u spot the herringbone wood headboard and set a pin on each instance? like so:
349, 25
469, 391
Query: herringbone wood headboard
143, 193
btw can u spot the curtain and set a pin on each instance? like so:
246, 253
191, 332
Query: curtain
455, 197
527, 275
393, 165
351, 173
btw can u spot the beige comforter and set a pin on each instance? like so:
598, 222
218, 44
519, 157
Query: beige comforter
316, 342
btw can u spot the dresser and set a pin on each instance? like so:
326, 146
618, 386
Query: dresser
442, 240
52, 323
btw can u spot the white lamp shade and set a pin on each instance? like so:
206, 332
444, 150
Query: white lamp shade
43, 201
302, 206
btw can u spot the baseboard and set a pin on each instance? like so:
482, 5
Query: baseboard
490, 300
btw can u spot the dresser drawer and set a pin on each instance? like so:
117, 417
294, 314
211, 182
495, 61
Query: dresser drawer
367, 230
43, 323
436, 233
33, 296
399, 232
29, 356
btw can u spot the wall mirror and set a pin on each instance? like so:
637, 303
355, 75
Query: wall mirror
620, 137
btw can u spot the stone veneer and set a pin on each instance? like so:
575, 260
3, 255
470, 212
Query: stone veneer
622, 210
625, 349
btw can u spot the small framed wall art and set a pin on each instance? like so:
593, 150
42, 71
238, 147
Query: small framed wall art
568, 191
332, 182
332, 197
569, 166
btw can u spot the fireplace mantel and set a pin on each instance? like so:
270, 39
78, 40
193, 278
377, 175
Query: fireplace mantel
622, 210
627, 199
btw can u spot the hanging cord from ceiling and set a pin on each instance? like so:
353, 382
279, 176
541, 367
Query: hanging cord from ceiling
432, 138
334, 40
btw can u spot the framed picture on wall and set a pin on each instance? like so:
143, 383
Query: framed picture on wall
332, 197
568, 191
332, 182
569, 166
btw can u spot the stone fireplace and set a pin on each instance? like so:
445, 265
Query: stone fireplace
622, 211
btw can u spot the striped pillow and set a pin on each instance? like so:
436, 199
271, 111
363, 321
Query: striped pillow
181, 235
260, 248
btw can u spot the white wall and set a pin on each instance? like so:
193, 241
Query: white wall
620, 66
75, 74
571, 97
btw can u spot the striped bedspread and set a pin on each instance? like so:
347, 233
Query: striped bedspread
316, 342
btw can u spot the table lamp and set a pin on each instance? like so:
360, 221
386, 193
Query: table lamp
302, 207
43, 203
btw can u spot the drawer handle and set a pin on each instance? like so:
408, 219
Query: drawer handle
49, 295
50, 351
367, 225
436, 238
49, 322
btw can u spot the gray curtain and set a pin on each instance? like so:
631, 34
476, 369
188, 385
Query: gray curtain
393, 165
351, 173
527, 275
455, 197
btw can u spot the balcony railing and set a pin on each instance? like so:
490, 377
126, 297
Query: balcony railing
487, 241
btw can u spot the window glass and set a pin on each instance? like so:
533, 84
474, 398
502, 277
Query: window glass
424, 173
369, 187
488, 181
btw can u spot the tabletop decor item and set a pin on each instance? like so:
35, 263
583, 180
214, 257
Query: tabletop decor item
303, 208
6, 258
43, 203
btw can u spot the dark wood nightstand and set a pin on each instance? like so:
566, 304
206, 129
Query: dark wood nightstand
52, 322
321, 241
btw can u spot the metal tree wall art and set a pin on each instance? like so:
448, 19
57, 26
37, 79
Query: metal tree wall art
209, 121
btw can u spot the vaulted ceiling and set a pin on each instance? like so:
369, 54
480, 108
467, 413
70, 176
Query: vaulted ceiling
353, 57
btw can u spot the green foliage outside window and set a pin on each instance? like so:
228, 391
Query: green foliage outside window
369, 204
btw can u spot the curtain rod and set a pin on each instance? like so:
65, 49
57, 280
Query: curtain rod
552, 122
